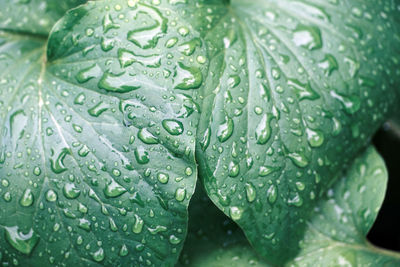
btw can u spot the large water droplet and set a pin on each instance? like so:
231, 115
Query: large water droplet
114, 189
146, 137
88, 73
57, 165
120, 83
27, 198
148, 36
250, 192
235, 213
315, 137
272, 194
299, 159
173, 127
303, 91
71, 191
141, 155
308, 37
180, 194
187, 77
99, 255
351, 104
263, 130
22, 242
51, 196
189, 47
138, 225
328, 64
225, 130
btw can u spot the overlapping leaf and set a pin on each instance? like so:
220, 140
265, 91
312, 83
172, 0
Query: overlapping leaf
295, 89
335, 236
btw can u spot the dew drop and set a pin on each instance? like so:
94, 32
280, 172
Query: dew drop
187, 77
235, 213
315, 137
225, 130
173, 127
250, 192
113, 189
263, 130
71, 191
308, 37
51, 196
22, 242
26, 198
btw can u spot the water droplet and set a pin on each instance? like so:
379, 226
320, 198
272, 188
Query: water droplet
296, 201
141, 155
113, 189
138, 226
27, 198
174, 240
37, 171
127, 58
351, 104
230, 38
187, 77
188, 171
303, 91
22, 242
71, 191
99, 255
107, 44
109, 24
173, 127
88, 73
328, 64
123, 251
263, 130
233, 169
235, 213
205, 142
315, 137
233, 81
146, 137
120, 83
180, 194
225, 130
308, 37
57, 165
299, 159
51, 196
250, 192
163, 177
189, 47
148, 36
272, 194
98, 109
84, 224
171, 42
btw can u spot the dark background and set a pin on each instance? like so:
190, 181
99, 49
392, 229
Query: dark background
386, 231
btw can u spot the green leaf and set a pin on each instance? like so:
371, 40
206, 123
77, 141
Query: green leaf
97, 141
296, 89
336, 234
35, 17
213, 239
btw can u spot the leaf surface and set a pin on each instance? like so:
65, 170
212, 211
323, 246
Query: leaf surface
97, 139
296, 89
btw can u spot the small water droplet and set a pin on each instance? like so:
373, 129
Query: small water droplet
180, 194
138, 225
272, 194
263, 130
235, 213
88, 73
315, 137
99, 255
119, 83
